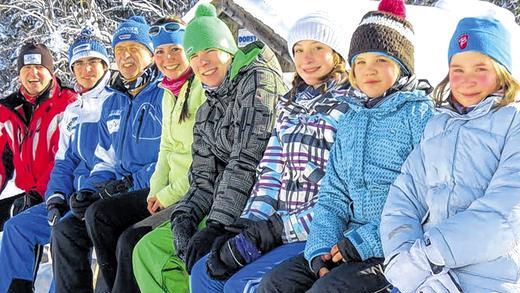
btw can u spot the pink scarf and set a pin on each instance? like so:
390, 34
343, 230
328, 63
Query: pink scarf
175, 85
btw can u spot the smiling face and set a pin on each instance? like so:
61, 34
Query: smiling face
374, 74
88, 71
472, 77
171, 60
313, 61
35, 78
211, 66
131, 58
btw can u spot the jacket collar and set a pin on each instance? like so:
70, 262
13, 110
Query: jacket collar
481, 109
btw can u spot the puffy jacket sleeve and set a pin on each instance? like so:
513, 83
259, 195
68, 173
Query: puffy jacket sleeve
159, 179
6, 165
332, 212
104, 154
255, 102
264, 197
495, 214
366, 238
204, 174
404, 208
62, 175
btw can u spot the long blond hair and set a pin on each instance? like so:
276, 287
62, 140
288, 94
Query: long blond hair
339, 73
506, 82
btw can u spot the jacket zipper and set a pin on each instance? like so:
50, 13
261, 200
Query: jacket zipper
140, 124
124, 128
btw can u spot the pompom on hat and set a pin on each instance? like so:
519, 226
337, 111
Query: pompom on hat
206, 31
385, 31
87, 45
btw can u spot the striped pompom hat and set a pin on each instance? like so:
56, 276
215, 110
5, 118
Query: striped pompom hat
385, 31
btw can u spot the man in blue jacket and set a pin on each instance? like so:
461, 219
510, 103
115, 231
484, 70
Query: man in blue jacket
125, 158
25, 233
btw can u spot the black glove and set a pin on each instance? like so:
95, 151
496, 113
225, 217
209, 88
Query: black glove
200, 244
266, 234
229, 253
81, 200
115, 187
348, 251
56, 208
183, 228
29, 199
224, 259
317, 263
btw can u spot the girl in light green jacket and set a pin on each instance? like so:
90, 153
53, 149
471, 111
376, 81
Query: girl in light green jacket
183, 94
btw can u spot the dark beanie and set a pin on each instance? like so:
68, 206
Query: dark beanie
385, 31
35, 54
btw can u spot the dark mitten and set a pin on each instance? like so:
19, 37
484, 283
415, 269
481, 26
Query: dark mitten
115, 187
81, 200
317, 263
183, 228
266, 234
56, 208
348, 251
200, 244
29, 199
221, 262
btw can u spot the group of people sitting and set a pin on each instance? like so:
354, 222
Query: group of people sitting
194, 168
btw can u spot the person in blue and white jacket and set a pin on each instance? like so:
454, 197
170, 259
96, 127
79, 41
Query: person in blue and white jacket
451, 222
28, 231
125, 157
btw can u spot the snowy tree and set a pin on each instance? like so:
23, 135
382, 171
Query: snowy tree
55, 23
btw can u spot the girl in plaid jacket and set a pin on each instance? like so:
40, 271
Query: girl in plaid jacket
276, 219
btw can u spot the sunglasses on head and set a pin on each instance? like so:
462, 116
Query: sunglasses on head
169, 27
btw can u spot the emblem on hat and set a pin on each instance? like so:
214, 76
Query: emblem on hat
463, 41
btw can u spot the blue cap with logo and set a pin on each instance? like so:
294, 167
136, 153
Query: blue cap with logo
134, 29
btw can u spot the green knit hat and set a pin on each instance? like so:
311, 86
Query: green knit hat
206, 31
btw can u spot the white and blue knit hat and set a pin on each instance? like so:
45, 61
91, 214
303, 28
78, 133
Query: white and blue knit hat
87, 45
134, 29
319, 26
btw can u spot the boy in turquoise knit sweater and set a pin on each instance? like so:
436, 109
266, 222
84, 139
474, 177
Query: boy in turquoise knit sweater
386, 119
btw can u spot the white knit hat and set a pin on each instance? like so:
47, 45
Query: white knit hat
319, 26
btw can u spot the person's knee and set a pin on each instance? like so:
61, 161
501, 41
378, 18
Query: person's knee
127, 241
269, 283
198, 271
60, 230
16, 224
94, 214
236, 284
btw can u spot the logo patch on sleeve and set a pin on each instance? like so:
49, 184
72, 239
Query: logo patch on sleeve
113, 125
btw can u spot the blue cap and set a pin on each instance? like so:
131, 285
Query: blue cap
485, 35
87, 45
134, 29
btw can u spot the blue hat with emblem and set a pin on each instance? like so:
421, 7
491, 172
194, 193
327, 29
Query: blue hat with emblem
134, 29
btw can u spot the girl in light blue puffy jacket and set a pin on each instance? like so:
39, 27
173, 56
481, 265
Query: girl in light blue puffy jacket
451, 222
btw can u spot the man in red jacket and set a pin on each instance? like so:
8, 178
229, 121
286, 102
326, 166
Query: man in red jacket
29, 132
